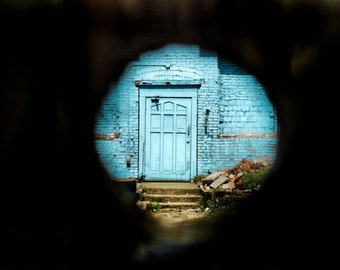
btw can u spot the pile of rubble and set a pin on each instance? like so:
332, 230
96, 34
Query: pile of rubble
230, 180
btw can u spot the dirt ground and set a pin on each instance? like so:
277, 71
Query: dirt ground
175, 226
178, 226
175, 216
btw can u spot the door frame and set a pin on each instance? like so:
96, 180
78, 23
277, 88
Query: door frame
177, 91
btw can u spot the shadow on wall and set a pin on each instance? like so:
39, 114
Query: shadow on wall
58, 208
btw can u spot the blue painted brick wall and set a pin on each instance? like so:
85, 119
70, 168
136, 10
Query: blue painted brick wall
242, 122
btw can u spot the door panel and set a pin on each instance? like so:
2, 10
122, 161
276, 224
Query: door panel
167, 144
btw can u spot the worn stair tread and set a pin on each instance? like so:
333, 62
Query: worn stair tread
175, 204
171, 198
178, 204
172, 195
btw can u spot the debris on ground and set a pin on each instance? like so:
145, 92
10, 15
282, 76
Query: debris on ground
231, 181
223, 187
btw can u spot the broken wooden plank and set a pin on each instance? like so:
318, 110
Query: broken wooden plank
214, 175
219, 181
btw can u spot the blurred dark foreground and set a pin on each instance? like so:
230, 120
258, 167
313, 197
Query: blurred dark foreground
59, 209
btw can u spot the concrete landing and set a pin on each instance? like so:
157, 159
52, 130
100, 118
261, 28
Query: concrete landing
168, 184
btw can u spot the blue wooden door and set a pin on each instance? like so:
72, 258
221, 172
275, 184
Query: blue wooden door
168, 135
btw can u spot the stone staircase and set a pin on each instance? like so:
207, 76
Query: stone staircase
169, 195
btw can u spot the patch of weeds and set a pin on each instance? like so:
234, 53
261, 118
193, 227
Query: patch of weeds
211, 204
253, 180
211, 215
153, 206
202, 201
223, 206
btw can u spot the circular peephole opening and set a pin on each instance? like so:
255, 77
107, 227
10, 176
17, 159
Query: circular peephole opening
186, 133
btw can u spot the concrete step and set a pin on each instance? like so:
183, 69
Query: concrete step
164, 197
169, 205
171, 191
181, 195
